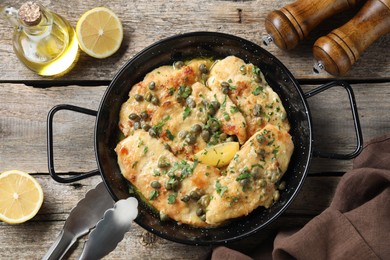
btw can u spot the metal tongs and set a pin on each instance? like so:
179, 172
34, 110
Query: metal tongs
96, 211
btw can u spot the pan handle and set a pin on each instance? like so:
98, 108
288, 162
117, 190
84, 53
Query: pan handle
50, 155
355, 116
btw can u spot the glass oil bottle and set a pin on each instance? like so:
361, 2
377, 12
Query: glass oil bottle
43, 40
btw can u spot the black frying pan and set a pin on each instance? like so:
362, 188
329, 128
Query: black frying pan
184, 47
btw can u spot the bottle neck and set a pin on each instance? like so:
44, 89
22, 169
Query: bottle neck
42, 27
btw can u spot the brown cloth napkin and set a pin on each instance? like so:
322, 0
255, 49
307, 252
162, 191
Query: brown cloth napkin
355, 226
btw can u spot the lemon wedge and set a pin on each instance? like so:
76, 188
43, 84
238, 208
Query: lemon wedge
218, 155
99, 32
21, 197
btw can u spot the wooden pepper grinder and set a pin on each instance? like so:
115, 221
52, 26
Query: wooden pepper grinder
291, 24
341, 48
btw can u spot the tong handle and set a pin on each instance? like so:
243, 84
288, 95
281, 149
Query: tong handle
289, 25
341, 48
64, 241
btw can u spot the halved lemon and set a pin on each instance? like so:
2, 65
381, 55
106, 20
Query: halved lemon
21, 197
99, 32
218, 155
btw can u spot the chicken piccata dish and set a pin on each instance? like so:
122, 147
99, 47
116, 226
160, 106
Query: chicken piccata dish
205, 141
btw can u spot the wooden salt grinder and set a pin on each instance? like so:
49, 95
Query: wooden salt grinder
291, 24
341, 48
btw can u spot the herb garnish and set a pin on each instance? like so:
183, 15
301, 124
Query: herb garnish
187, 112
172, 198
153, 194
220, 189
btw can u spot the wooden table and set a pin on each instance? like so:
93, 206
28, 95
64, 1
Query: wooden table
26, 98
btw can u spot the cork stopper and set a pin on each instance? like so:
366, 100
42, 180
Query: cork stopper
30, 13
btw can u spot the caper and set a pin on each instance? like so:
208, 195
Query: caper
204, 201
244, 182
282, 185
148, 96
144, 115
195, 195
155, 100
163, 216
196, 129
225, 90
283, 115
275, 176
178, 64
226, 116
255, 172
145, 126
163, 162
205, 135
262, 183
138, 97
215, 104
168, 185
190, 102
258, 79
137, 125
222, 137
179, 98
276, 195
203, 217
260, 138
155, 184
199, 212
134, 117
243, 69
214, 126
225, 84
152, 85
190, 138
175, 185
213, 140
183, 134
211, 110
262, 153
152, 132
168, 147
203, 68
257, 110
185, 198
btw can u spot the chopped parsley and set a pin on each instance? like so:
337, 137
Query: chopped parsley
146, 149
256, 70
170, 135
187, 112
172, 198
234, 109
243, 175
153, 194
134, 164
220, 189
257, 90
158, 127
226, 116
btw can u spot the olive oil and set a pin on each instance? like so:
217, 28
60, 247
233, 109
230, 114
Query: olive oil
44, 41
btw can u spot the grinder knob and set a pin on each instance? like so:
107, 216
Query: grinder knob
289, 25
341, 48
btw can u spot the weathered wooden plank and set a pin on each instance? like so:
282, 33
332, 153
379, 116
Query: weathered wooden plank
146, 22
138, 243
23, 125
